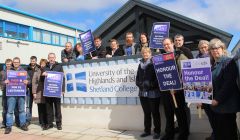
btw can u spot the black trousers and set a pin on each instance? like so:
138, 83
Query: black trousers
225, 126
151, 110
42, 113
29, 105
180, 112
56, 103
210, 115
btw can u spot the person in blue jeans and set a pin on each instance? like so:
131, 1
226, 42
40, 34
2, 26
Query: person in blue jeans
12, 100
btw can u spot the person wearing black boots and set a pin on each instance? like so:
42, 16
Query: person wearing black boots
149, 94
168, 103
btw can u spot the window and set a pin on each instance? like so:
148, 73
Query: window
46, 37
11, 30
71, 39
37, 35
1, 27
63, 40
23, 32
55, 39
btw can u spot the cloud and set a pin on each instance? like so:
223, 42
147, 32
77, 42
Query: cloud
221, 13
56, 6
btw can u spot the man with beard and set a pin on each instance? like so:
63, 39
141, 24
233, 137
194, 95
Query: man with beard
131, 48
31, 69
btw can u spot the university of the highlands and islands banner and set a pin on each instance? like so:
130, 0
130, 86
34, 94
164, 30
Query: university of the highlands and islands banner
114, 78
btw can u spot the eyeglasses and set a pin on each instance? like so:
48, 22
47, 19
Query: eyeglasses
215, 48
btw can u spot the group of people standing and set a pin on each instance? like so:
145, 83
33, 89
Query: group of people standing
221, 113
34, 93
226, 95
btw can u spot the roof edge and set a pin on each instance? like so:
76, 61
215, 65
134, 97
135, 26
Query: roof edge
38, 17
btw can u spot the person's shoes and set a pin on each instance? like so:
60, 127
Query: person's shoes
24, 127
167, 137
145, 134
156, 136
59, 127
49, 126
3, 126
8, 130
28, 123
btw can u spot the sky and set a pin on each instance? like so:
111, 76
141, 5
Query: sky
89, 14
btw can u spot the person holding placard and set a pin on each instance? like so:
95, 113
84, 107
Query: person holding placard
100, 51
168, 101
203, 46
52, 65
19, 99
149, 93
226, 97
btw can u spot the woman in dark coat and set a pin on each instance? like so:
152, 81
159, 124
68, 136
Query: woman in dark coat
37, 90
226, 96
149, 93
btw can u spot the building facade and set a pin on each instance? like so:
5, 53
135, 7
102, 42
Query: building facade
24, 35
236, 48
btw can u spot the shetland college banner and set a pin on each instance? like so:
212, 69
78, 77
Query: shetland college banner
16, 87
167, 72
197, 80
87, 42
53, 84
114, 78
160, 30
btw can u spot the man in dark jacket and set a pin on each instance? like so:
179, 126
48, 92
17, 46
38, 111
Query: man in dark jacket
31, 69
52, 65
178, 44
100, 51
68, 55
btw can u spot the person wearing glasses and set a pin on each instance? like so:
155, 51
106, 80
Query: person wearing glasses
226, 97
13, 100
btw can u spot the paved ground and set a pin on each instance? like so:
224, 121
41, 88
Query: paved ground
199, 130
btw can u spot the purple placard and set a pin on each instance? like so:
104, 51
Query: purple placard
16, 87
53, 84
160, 30
167, 72
87, 42
197, 80
196, 75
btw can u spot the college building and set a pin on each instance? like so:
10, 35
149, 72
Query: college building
23, 35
